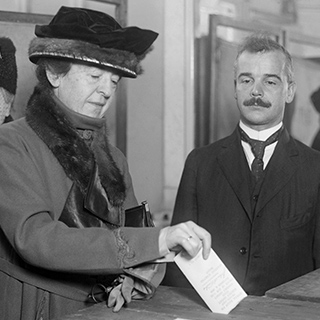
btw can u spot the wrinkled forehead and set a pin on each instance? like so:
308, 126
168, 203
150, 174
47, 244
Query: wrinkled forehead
260, 63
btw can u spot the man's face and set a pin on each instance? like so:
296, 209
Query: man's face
87, 90
262, 89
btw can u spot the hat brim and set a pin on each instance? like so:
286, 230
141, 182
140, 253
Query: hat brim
123, 62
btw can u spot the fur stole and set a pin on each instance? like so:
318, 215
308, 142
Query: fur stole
77, 159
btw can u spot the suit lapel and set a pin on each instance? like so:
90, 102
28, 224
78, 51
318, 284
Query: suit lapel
282, 165
232, 162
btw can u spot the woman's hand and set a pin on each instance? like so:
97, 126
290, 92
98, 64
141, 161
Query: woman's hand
190, 237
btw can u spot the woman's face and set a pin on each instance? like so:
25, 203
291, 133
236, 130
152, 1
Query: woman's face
86, 89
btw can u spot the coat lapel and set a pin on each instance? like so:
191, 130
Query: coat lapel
282, 165
55, 129
232, 161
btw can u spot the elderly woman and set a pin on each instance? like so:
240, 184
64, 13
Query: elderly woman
64, 189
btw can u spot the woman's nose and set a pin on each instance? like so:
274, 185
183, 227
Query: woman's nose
105, 89
106, 86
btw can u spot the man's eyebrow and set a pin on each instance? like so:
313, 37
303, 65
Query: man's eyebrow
245, 74
267, 75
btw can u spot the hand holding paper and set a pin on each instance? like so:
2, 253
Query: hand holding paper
187, 236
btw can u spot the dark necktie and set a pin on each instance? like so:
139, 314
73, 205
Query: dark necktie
257, 148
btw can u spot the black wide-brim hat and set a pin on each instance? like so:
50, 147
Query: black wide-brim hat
93, 37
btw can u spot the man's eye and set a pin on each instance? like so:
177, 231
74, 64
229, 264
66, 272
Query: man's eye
271, 83
245, 81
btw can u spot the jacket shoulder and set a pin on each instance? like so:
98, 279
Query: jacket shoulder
16, 130
306, 153
212, 149
303, 148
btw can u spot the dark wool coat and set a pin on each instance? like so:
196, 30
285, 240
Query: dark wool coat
282, 240
46, 268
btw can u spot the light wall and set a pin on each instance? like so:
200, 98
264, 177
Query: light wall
145, 108
160, 123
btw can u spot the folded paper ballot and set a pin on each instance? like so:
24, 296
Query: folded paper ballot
212, 280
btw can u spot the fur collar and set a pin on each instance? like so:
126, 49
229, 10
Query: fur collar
50, 123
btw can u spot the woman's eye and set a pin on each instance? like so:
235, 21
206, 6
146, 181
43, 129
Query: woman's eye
115, 81
95, 75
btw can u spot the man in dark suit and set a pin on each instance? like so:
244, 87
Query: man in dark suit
264, 223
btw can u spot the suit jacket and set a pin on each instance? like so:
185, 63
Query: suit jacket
282, 240
316, 141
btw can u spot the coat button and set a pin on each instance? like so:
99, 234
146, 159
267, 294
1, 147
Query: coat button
87, 134
255, 198
243, 250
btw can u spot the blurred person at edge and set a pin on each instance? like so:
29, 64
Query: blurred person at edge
8, 78
315, 99
264, 227
64, 188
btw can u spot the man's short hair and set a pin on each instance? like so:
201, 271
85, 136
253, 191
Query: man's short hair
262, 42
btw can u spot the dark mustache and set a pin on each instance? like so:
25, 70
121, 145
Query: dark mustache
257, 101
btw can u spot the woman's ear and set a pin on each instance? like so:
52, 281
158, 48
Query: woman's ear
53, 78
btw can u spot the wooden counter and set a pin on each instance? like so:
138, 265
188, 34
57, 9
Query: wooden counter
176, 303
305, 288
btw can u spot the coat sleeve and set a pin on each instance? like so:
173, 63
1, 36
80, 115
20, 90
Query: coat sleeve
33, 191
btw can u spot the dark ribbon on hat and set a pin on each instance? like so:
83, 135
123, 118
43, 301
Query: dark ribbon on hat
97, 28
258, 148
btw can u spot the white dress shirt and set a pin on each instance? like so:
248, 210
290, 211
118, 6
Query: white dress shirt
262, 136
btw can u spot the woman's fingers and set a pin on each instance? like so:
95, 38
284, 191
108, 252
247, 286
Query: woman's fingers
190, 237
205, 238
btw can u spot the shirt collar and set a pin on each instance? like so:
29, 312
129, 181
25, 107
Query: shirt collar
259, 135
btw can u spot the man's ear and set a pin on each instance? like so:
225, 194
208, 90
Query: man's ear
53, 78
291, 92
235, 89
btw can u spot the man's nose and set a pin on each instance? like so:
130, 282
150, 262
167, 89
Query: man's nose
257, 90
